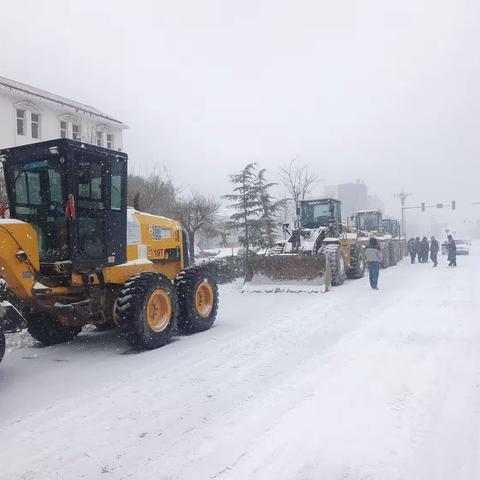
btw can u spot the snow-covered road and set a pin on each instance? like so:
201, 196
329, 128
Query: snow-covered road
354, 384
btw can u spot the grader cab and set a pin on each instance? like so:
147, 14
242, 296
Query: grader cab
72, 253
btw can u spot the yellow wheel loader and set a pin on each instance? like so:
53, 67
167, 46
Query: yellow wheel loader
369, 223
397, 251
320, 251
73, 254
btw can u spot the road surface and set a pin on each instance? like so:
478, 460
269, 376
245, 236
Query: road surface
353, 384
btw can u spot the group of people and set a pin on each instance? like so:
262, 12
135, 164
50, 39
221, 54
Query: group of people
421, 248
416, 248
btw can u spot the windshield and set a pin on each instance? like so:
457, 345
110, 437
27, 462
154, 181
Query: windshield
317, 213
38, 198
368, 221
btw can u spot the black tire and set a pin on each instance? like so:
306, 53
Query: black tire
392, 251
357, 262
386, 257
45, 328
2, 344
188, 282
132, 310
333, 254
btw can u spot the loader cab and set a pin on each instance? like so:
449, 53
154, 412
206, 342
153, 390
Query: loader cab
74, 195
369, 221
319, 213
391, 227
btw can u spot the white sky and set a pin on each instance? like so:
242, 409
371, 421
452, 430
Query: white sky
383, 91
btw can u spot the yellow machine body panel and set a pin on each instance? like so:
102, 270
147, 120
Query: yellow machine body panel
154, 244
17, 268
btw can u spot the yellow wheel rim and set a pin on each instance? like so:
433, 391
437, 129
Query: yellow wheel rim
204, 299
159, 310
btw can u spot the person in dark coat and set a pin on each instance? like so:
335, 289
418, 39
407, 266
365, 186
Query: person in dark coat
452, 252
417, 248
412, 249
424, 249
434, 247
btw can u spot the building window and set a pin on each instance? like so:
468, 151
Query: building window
76, 131
99, 139
20, 121
63, 129
35, 120
109, 140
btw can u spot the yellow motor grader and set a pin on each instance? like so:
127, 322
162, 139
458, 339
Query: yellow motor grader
73, 254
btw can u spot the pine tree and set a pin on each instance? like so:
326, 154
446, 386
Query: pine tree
267, 222
245, 202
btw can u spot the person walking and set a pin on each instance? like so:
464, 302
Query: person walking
417, 249
374, 258
434, 247
412, 249
452, 252
424, 249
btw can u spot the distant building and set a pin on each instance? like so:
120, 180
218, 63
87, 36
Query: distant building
374, 202
354, 197
28, 114
331, 191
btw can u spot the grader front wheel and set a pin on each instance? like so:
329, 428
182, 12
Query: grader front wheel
45, 328
146, 310
197, 299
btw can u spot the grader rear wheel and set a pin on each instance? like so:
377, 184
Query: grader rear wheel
197, 299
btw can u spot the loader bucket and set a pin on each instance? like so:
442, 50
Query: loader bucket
287, 273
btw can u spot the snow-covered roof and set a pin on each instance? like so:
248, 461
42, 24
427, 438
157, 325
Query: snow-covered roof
37, 92
369, 211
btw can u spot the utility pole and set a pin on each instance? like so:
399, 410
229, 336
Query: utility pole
403, 226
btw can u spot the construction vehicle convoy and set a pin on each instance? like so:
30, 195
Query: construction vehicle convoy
319, 250
73, 254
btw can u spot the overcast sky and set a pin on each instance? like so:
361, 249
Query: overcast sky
383, 91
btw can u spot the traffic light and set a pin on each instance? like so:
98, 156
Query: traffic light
423, 206
454, 204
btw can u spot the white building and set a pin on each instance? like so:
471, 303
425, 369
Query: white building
28, 114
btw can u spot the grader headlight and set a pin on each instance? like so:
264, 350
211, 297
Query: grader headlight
21, 255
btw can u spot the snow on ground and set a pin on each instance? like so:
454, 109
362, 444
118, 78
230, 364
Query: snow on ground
353, 384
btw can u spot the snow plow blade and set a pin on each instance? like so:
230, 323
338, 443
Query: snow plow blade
287, 273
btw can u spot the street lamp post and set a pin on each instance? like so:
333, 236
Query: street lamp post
403, 225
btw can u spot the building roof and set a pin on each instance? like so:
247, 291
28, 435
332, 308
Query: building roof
37, 92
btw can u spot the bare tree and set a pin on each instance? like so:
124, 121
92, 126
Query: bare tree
3, 195
154, 194
298, 180
195, 213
